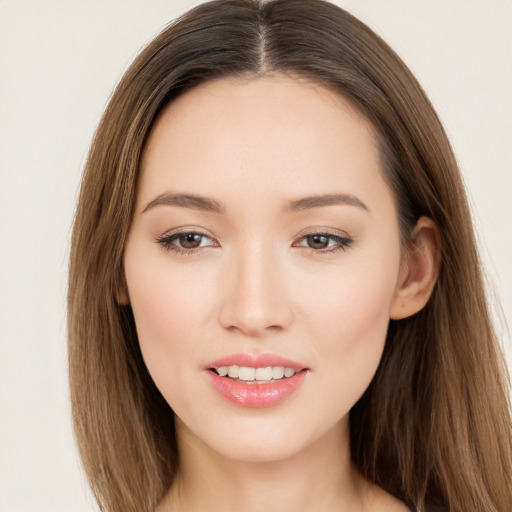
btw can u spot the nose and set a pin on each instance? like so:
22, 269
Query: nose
255, 301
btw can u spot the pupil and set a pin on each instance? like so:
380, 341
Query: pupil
318, 241
190, 240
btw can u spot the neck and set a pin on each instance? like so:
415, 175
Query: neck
319, 477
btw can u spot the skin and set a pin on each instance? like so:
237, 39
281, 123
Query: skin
255, 285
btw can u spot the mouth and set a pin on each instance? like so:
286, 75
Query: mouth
250, 375
256, 381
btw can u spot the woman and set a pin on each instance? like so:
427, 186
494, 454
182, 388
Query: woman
275, 297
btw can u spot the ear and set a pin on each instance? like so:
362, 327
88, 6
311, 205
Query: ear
419, 270
121, 292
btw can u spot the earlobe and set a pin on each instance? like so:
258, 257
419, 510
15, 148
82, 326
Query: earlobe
419, 272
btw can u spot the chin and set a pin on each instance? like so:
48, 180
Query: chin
257, 437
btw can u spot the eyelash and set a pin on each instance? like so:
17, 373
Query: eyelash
167, 242
340, 242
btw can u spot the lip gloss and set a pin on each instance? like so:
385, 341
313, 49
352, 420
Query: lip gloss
255, 395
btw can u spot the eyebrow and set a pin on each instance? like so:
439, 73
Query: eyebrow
196, 202
318, 201
185, 201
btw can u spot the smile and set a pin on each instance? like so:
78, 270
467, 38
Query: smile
255, 375
256, 381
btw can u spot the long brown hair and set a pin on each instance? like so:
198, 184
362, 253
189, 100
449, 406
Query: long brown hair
434, 427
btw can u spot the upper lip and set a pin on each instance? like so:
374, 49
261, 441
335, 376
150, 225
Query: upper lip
256, 361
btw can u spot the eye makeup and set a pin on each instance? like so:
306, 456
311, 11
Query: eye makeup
186, 241
322, 242
190, 241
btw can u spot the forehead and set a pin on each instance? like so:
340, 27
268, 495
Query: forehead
272, 134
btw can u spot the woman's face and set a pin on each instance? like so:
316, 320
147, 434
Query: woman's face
263, 236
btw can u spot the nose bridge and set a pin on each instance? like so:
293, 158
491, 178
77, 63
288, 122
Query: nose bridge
255, 301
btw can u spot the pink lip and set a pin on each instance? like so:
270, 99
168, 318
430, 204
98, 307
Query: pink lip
256, 395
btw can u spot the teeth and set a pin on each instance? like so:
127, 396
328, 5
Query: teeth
233, 371
278, 372
288, 372
264, 373
247, 373
222, 371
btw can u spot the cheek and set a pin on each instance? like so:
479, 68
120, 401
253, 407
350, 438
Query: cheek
349, 321
169, 309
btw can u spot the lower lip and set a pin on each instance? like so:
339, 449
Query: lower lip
256, 395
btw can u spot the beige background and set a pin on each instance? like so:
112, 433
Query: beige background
59, 61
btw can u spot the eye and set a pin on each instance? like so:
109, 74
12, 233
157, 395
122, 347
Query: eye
324, 242
186, 241
189, 240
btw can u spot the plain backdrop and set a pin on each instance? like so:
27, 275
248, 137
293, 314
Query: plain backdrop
59, 61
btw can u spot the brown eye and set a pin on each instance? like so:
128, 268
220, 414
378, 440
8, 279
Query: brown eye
189, 240
317, 241
186, 242
324, 242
